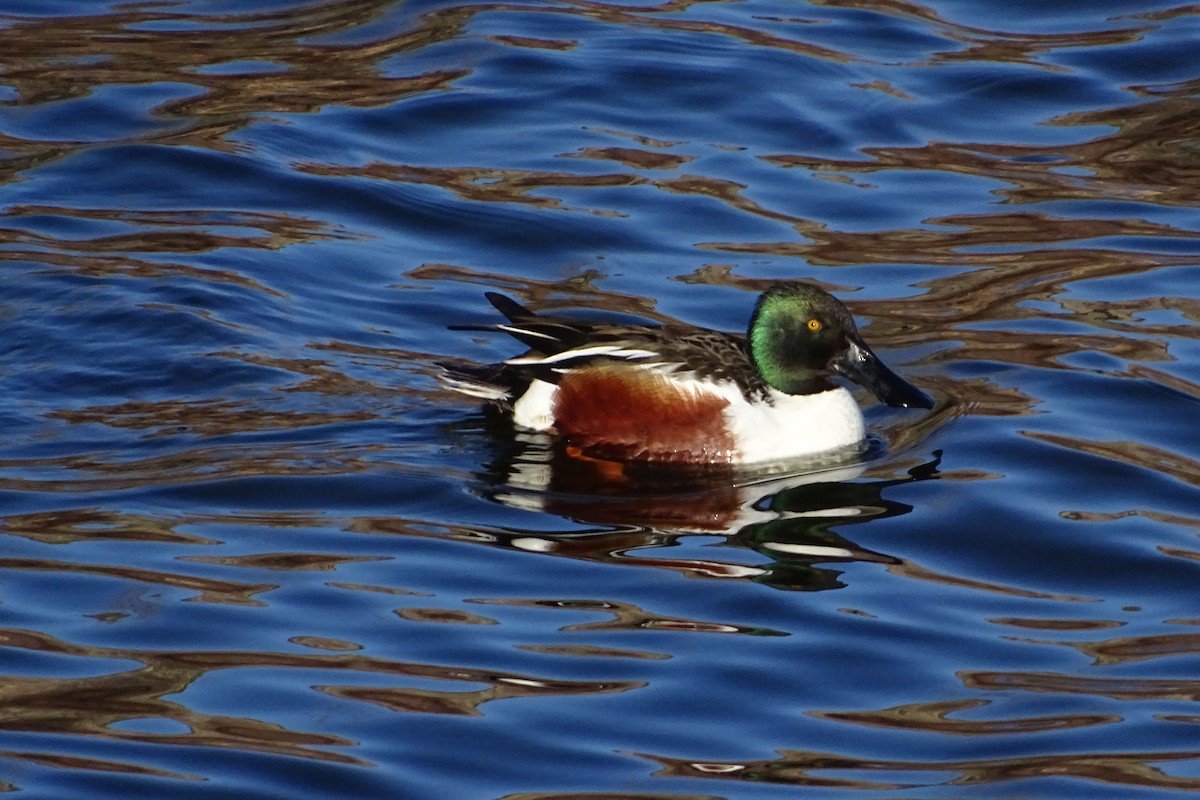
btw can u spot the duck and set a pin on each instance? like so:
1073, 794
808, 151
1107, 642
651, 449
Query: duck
676, 394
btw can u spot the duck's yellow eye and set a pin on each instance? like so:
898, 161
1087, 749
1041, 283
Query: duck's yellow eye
814, 325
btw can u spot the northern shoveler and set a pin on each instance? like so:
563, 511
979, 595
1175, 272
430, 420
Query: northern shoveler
684, 395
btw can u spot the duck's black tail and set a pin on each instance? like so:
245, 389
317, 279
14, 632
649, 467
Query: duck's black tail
483, 382
541, 334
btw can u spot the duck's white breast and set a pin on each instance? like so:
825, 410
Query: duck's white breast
793, 425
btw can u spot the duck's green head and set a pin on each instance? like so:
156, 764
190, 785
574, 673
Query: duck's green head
802, 336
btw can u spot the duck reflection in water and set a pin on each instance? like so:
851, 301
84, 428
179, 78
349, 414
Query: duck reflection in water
789, 518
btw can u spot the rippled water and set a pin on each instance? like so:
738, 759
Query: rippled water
250, 548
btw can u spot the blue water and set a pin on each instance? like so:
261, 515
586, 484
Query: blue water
252, 549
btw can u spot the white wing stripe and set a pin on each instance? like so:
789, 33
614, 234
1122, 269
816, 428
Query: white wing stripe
613, 350
525, 332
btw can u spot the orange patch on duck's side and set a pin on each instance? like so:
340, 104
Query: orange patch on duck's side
629, 413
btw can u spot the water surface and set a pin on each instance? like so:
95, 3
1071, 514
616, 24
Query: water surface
251, 548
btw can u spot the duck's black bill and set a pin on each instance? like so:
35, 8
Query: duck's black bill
862, 366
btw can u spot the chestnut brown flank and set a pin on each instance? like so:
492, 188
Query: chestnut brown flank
632, 414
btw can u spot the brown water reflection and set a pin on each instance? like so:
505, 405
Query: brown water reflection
997, 45
94, 706
1149, 157
607, 796
208, 418
803, 768
482, 184
92, 525
1157, 516
627, 617
1155, 459
1060, 683
169, 232
179, 232
99, 473
63, 761
467, 703
60, 58
933, 718
210, 591
1138, 648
